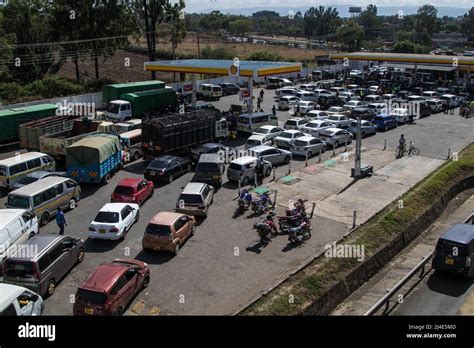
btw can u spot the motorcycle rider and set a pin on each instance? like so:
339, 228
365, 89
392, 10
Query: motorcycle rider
246, 197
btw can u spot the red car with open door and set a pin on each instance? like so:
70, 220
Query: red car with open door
133, 190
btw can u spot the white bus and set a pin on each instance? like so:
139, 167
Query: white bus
250, 122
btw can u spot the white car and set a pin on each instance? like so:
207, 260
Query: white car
257, 140
355, 73
19, 301
402, 115
320, 92
378, 108
436, 105
336, 137
373, 89
307, 87
306, 106
337, 110
317, 115
287, 138
352, 104
114, 220
348, 96
295, 123
269, 132
284, 103
314, 127
307, 96
286, 91
339, 121
308, 146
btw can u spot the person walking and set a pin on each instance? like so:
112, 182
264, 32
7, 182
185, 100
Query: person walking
261, 94
274, 111
60, 220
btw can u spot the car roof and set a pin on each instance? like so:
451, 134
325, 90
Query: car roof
316, 121
460, 233
244, 160
40, 243
268, 127
306, 138
21, 158
295, 119
103, 278
165, 158
131, 182
193, 188
39, 185
333, 130
292, 131
113, 207
165, 218
8, 215
39, 174
261, 148
256, 137
9, 293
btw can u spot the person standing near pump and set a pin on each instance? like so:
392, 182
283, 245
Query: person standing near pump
60, 220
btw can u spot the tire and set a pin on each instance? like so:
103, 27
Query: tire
146, 281
268, 172
362, 134
176, 249
170, 178
286, 160
323, 150
336, 144
415, 151
284, 226
137, 217
350, 140
51, 287
106, 179
44, 219
80, 255
136, 156
310, 154
72, 204
193, 230
245, 181
31, 235
118, 312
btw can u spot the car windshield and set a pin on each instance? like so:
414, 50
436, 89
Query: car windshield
17, 269
158, 230
26, 180
262, 130
204, 168
159, 164
326, 134
447, 246
291, 123
94, 297
190, 199
244, 120
334, 118
113, 108
235, 166
286, 135
301, 143
312, 125
107, 217
3, 171
253, 142
124, 190
21, 202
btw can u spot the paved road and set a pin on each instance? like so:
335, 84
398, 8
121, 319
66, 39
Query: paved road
223, 266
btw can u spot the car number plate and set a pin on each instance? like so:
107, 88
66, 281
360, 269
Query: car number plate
449, 261
215, 177
153, 173
102, 230
89, 311
157, 247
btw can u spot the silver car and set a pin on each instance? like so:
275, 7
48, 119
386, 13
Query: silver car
315, 127
271, 154
295, 123
335, 136
286, 138
308, 146
269, 132
339, 121
317, 115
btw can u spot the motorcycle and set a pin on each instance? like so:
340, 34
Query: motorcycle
266, 229
293, 216
261, 205
300, 233
243, 203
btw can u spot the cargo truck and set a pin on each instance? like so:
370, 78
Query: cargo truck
115, 92
94, 159
179, 133
11, 119
56, 144
30, 132
136, 105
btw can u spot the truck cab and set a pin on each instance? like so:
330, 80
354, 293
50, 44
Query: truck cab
119, 110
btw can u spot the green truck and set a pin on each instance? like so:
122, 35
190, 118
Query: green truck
136, 105
115, 92
11, 119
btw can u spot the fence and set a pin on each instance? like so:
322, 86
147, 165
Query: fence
95, 99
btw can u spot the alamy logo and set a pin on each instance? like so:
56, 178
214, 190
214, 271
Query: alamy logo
37, 331
334, 250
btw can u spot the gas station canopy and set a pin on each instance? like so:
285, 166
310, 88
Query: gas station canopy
243, 68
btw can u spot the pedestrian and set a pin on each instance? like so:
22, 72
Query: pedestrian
261, 94
298, 110
274, 111
60, 220
445, 108
258, 103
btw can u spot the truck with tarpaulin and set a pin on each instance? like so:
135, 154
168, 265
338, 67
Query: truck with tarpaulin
94, 159
115, 92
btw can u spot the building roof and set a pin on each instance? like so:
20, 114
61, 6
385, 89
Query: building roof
421, 67
223, 67
463, 62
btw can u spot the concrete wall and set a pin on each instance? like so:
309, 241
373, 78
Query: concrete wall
95, 99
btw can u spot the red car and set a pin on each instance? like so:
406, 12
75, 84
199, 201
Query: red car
133, 191
111, 287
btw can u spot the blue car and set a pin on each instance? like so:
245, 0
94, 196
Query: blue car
385, 122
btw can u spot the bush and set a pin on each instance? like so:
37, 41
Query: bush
53, 86
217, 53
265, 56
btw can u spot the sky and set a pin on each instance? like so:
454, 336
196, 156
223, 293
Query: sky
197, 5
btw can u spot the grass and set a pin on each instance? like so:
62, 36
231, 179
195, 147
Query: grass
305, 287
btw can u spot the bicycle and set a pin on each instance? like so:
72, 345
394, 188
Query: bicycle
412, 150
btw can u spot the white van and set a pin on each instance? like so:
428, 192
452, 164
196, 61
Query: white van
14, 168
250, 122
211, 91
131, 145
19, 301
16, 227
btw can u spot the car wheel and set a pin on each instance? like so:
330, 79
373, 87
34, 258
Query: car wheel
51, 287
268, 172
80, 255
146, 281
176, 249
44, 219
106, 179
286, 160
118, 312
323, 150
72, 204
310, 154
137, 217
245, 181
193, 230
189, 167
136, 156
171, 178
386, 128
32, 234
336, 144
362, 134
350, 140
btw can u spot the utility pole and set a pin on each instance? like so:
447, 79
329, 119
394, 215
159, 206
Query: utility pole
199, 47
357, 166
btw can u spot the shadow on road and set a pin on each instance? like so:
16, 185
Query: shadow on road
257, 248
448, 284
100, 246
137, 168
154, 258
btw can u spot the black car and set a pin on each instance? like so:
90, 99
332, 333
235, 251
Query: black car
325, 102
229, 88
166, 168
205, 149
363, 112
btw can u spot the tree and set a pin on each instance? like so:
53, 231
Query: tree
320, 21
350, 35
369, 21
240, 27
426, 19
406, 46
467, 24
212, 21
